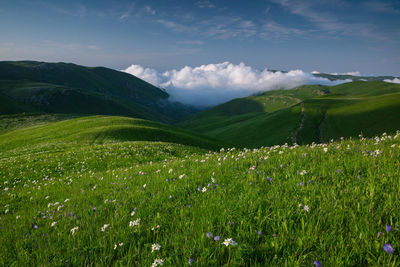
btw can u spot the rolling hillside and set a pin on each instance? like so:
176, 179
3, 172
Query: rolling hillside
303, 115
28, 86
99, 130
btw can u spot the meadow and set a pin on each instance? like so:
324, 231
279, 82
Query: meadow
102, 198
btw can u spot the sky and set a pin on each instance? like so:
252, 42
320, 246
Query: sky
163, 36
323, 35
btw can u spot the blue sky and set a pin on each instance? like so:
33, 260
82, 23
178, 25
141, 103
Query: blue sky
324, 35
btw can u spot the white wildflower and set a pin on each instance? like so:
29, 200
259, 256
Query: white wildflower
66, 200
134, 223
229, 241
303, 172
133, 213
104, 227
306, 208
155, 247
74, 229
204, 189
157, 262
53, 224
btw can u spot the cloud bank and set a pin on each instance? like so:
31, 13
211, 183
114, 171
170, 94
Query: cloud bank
395, 80
213, 84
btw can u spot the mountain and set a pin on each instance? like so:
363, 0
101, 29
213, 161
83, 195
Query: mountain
306, 114
334, 77
68, 88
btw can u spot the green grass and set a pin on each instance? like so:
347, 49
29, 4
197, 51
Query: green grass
22, 120
98, 130
303, 115
84, 173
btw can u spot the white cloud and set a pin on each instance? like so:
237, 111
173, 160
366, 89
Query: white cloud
395, 80
213, 84
147, 74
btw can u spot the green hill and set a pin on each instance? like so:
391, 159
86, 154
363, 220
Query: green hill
303, 115
99, 130
68, 88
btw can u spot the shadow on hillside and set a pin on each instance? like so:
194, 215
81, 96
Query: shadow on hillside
154, 135
239, 106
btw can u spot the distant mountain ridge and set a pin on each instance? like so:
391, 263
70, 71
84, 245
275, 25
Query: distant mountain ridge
70, 88
335, 77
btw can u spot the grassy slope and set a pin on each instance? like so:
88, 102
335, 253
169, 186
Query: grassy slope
242, 109
304, 115
22, 120
256, 197
98, 130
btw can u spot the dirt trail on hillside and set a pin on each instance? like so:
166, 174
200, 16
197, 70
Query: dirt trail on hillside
293, 136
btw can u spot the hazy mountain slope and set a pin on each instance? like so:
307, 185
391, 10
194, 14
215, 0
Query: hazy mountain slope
97, 79
304, 115
70, 88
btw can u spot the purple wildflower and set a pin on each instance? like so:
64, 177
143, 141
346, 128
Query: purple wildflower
388, 228
35, 226
317, 263
269, 179
170, 197
191, 261
388, 248
301, 184
217, 238
380, 234
209, 234
259, 233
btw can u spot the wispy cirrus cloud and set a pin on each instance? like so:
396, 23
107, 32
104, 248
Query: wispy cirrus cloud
191, 42
381, 7
77, 10
205, 4
329, 22
274, 30
219, 27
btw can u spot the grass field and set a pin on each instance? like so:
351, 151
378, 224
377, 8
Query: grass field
90, 191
